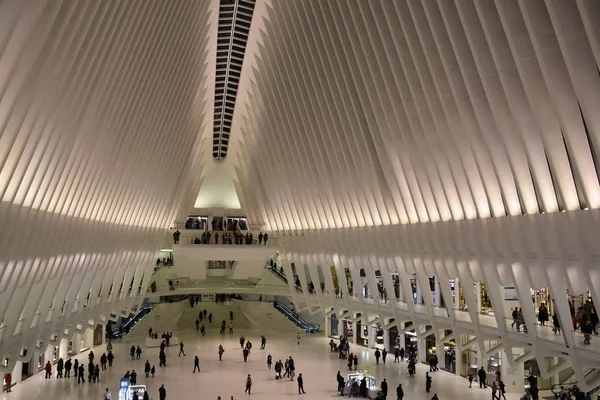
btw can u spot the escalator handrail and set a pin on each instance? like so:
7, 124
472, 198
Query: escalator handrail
132, 321
282, 275
555, 389
294, 317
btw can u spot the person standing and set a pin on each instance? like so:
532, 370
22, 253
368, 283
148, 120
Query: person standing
68, 366
59, 368
427, 382
340, 381
107, 395
377, 355
162, 392
76, 368
248, 385
133, 377
300, 384
147, 368
103, 361
400, 392
221, 351
384, 388
48, 369
396, 355
97, 373
470, 381
482, 376
402, 354
245, 354
8, 379
269, 362
196, 364
181, 349
383, 355
197, 325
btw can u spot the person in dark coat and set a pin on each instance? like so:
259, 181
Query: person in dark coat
427, 382
482, 377
196, 364
402, 354
147, 368
300, 384
377, 355
60, 365
68, 366
384, 388
81, 376
340, 382
76, 368
110, 357
162, 392
400, 392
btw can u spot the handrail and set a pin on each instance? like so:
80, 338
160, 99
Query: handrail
281, 274
295, 318
131, 322
556, 388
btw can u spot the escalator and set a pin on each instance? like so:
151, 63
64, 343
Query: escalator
127, 324
279, 272
295, 318
570, 384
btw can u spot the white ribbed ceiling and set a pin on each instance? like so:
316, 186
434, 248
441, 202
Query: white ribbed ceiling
363, 113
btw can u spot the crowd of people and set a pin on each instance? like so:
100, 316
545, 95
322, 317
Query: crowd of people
228, 238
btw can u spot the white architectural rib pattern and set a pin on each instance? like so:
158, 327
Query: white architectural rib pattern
101, 109
419, 111
430, 138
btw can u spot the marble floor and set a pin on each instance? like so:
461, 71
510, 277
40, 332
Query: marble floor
227, 378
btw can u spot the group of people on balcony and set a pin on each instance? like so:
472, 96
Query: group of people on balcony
231, 238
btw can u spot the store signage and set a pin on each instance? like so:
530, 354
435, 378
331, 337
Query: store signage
123, 389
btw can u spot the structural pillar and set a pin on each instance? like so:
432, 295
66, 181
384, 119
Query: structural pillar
63, 349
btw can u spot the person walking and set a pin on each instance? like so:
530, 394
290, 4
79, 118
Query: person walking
300, 384
383, 356
103, 361
248, 385
427, 382
138, 353
384, 388
81, 376
399, 392
396, 355
132, 352
107, 395
196, 364
110, 357
181, 349
402, 354
269, 362
494, 391
377, 355
502, 388
133, 377
245, 354
76, 369
162, 392
221, 351
470, 381
147, 368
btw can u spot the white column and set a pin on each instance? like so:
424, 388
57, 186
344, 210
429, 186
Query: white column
438, 292
89, 338
386, 339
77, 343
371, 336
478, 296
17, 372
513, 378
63, 349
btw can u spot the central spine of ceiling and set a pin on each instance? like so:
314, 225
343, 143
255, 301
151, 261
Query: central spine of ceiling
235, 17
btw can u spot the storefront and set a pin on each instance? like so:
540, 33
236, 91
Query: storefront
410, 341
393, 336
348, 329
333, 326
542, 297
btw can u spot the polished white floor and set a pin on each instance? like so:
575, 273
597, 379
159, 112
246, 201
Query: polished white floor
227, 378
